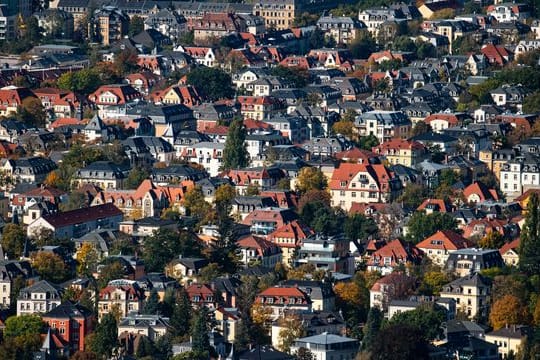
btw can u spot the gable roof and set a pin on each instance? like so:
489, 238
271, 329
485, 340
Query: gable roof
77, 216
444, 239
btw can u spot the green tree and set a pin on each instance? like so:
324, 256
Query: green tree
422, 225
413, 195
404, 43
32, 113
426, 318
151, 305
75, 200
531, 103
372, 328
363, 46
13, 239
181, 314
136, 176
529, 249
196, 205
50, 266
359, 228
304, 354
212, 83
311, 178
199, 333
105, 337
21, 337
298, 77
420, 128
400, 342
165, 244
136, 25
112, 270
492, 240
368, 142
23, 325
235, 154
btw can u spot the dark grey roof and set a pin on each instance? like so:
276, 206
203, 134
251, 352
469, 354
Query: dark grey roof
69, 310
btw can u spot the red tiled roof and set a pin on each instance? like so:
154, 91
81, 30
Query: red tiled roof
398, 251
513, 245
439, 205
397, 144
444, 239
77, 216
263, 247
481, 190
293, 230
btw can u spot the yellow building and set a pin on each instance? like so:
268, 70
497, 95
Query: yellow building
109, 25
495, 160
277, 14
508, 339
402, 152
471, 293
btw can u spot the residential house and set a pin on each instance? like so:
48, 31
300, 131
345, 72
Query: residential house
496, 55
343, 29
145, 201
278, 14
11, 98
202, 295
262, 178
289, 237
509, 12
177, 94
109, 24
113, 101
99, 239
477, 192
266, 221
151, 326
39, 297
519, 175
464, 262
525, 46
103, 174
321, 293
395, 254
62, 103
28, 170
374, 18
510, 339
228, 322
185, 270
315, 323
202, 55
328, 346
254, 250
147, 226
146, 150
72, 322
207, 154
396, 285
77, 222
330, 253
471, 293
402, 152
384, 125
11, 271
438, 246
510, 252
509, 96
122, 296
279, 299
167, 22
258, 107
208, 115
363, 183
217, 25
